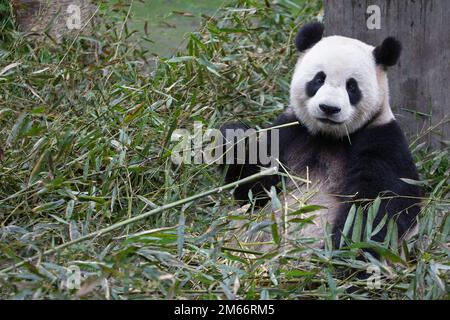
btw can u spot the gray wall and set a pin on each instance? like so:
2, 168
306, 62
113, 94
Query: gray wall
420, 82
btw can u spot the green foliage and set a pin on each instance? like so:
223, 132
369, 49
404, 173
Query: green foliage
85, 130
5, 16
4, 9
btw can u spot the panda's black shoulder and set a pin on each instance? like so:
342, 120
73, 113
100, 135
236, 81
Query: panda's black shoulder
294, 127
291, 132
382, 138
385, 142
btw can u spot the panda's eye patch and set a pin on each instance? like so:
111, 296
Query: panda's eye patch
353, 91
352, 85
320, 78
314, 85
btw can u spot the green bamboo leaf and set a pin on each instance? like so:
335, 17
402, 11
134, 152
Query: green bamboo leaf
394, 237
180, 233
100, 200
348, 223
358, 226
181, 59
74, 233
371, 215
307, 209
445, 231
380, 225
48, 206
414, 182
298, 274
309, 220
69, 209
210, 66
328, 237
274, 228
383, 252
38, 167
276, 206
275, 201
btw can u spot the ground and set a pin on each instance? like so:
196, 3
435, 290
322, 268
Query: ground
166, 22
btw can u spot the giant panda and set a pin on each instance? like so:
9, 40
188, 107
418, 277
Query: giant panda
346, 140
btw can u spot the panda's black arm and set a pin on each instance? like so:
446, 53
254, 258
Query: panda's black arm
380, 158
239, 171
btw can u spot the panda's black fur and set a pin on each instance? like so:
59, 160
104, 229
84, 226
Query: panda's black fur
375, 157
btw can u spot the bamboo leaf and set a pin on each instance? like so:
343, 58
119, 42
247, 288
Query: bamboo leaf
348, 223
358, 226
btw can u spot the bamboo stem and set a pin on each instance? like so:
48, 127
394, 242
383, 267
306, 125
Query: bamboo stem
144, 215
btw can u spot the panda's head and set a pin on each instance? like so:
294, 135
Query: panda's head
340, 84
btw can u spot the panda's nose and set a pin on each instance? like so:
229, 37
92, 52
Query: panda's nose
329, 110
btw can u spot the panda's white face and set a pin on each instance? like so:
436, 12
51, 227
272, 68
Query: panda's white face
337, 87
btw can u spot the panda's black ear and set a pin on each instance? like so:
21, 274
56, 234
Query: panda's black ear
387, 53
309, 35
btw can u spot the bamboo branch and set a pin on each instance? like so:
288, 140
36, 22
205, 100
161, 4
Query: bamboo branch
144, 215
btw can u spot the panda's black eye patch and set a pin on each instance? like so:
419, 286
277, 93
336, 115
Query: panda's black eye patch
353, 91
315, 84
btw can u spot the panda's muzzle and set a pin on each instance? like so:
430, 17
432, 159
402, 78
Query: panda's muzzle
329, 110
329, 121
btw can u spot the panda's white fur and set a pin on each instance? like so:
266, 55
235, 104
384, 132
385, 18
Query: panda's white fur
340, 58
